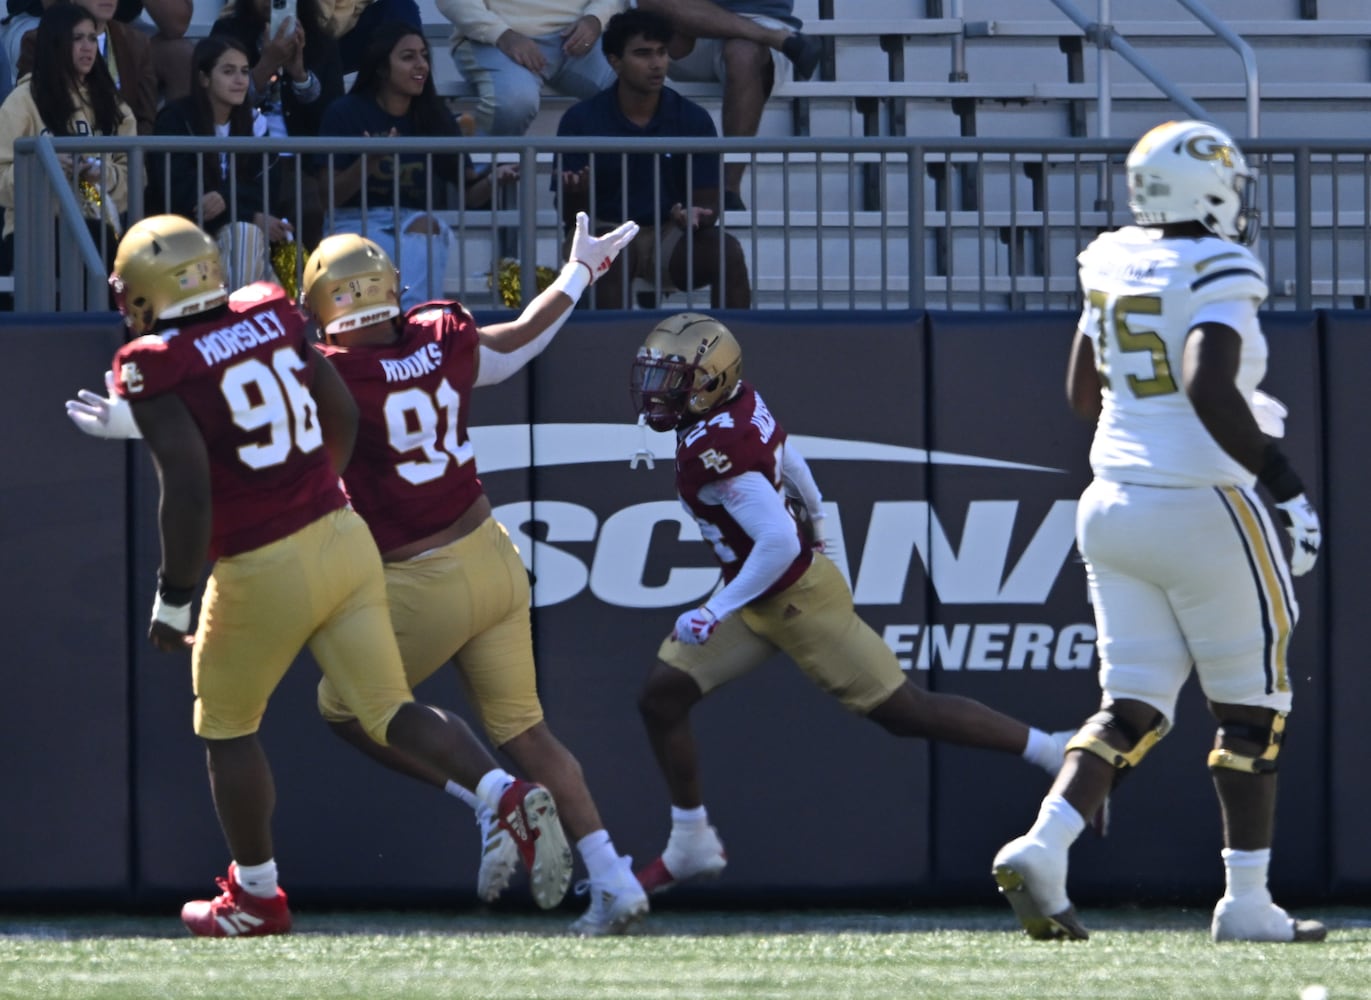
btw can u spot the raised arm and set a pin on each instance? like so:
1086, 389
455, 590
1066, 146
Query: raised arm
507, 347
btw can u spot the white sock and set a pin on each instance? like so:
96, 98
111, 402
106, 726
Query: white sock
1058, 824
458, 792
689, 821
1246, 871
260, 880
597, 851
491, 786
1040, 750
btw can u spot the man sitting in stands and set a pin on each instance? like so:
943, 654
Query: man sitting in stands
674, 198
736, 42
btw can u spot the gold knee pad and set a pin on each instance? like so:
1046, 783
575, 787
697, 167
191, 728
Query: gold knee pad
1120, 760
1262, 763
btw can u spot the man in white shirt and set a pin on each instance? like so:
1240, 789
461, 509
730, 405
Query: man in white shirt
511, 49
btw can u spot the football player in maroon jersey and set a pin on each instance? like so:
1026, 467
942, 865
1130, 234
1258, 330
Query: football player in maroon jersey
248, 428
734, 471
457, 588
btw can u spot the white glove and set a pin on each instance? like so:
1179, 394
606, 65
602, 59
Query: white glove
1270, 413
694, 627
598, 252
1302, 522
103, 417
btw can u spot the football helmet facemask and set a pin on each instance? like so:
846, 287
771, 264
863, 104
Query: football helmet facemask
1193, 171
689, 364
350, 283
166, 267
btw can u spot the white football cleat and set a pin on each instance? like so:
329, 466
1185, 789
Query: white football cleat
700, 855
1254, 917
1032, 879
499, 858
617, 904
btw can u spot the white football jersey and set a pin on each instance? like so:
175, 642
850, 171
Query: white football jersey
1143, 295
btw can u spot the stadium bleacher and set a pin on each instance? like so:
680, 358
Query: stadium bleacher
1002, 68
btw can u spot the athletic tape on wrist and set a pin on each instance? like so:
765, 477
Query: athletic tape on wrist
176, 616
573, 280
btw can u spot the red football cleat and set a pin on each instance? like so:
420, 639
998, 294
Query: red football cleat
237, 912
687, 856
529, 814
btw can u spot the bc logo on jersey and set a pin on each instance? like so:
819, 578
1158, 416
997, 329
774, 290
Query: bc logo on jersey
131, 376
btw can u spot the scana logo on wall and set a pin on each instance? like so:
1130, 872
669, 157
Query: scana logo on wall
974, 571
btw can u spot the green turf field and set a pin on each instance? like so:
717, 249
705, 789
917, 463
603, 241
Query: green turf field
911, 955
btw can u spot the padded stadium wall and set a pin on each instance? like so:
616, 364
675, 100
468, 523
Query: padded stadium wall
951, 465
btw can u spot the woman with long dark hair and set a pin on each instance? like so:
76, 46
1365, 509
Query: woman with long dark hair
296, 72
227, 195
70, 93
394, 95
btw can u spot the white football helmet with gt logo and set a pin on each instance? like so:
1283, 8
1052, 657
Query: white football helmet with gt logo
166, 268
350, 282
1192, 171
689, 364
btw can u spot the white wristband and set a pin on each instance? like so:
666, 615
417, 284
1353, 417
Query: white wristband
573, 280
175, 616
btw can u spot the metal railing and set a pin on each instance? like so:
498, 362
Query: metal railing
957, 223
1105, 38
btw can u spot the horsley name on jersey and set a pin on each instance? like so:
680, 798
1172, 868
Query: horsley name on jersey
259, 314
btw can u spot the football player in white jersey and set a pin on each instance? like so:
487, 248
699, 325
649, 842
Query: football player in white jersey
1185, 567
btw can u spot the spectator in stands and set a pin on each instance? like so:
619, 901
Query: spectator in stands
21, 17
674, 198
510, 49
69, 93
734, 41
353, 22
127, 55
171, 49
232, 204
167, 22
295, 75
6, 74
393, 95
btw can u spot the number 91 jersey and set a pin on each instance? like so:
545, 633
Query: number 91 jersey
244, 376
1143, 295
413, 471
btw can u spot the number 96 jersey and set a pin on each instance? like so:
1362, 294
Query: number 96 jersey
413, 471
1143, 296
244, 376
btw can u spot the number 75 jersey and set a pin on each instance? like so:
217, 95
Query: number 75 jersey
1143, 295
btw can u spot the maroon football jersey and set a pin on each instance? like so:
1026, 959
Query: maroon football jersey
413, 471
245, 377
741, 436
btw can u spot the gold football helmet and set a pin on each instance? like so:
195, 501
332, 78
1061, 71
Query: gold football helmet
688, 365
166, 267
349, 283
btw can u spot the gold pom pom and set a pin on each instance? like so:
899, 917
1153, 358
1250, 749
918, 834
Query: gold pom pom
92, 195
285, 255
510, 286
99, 209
